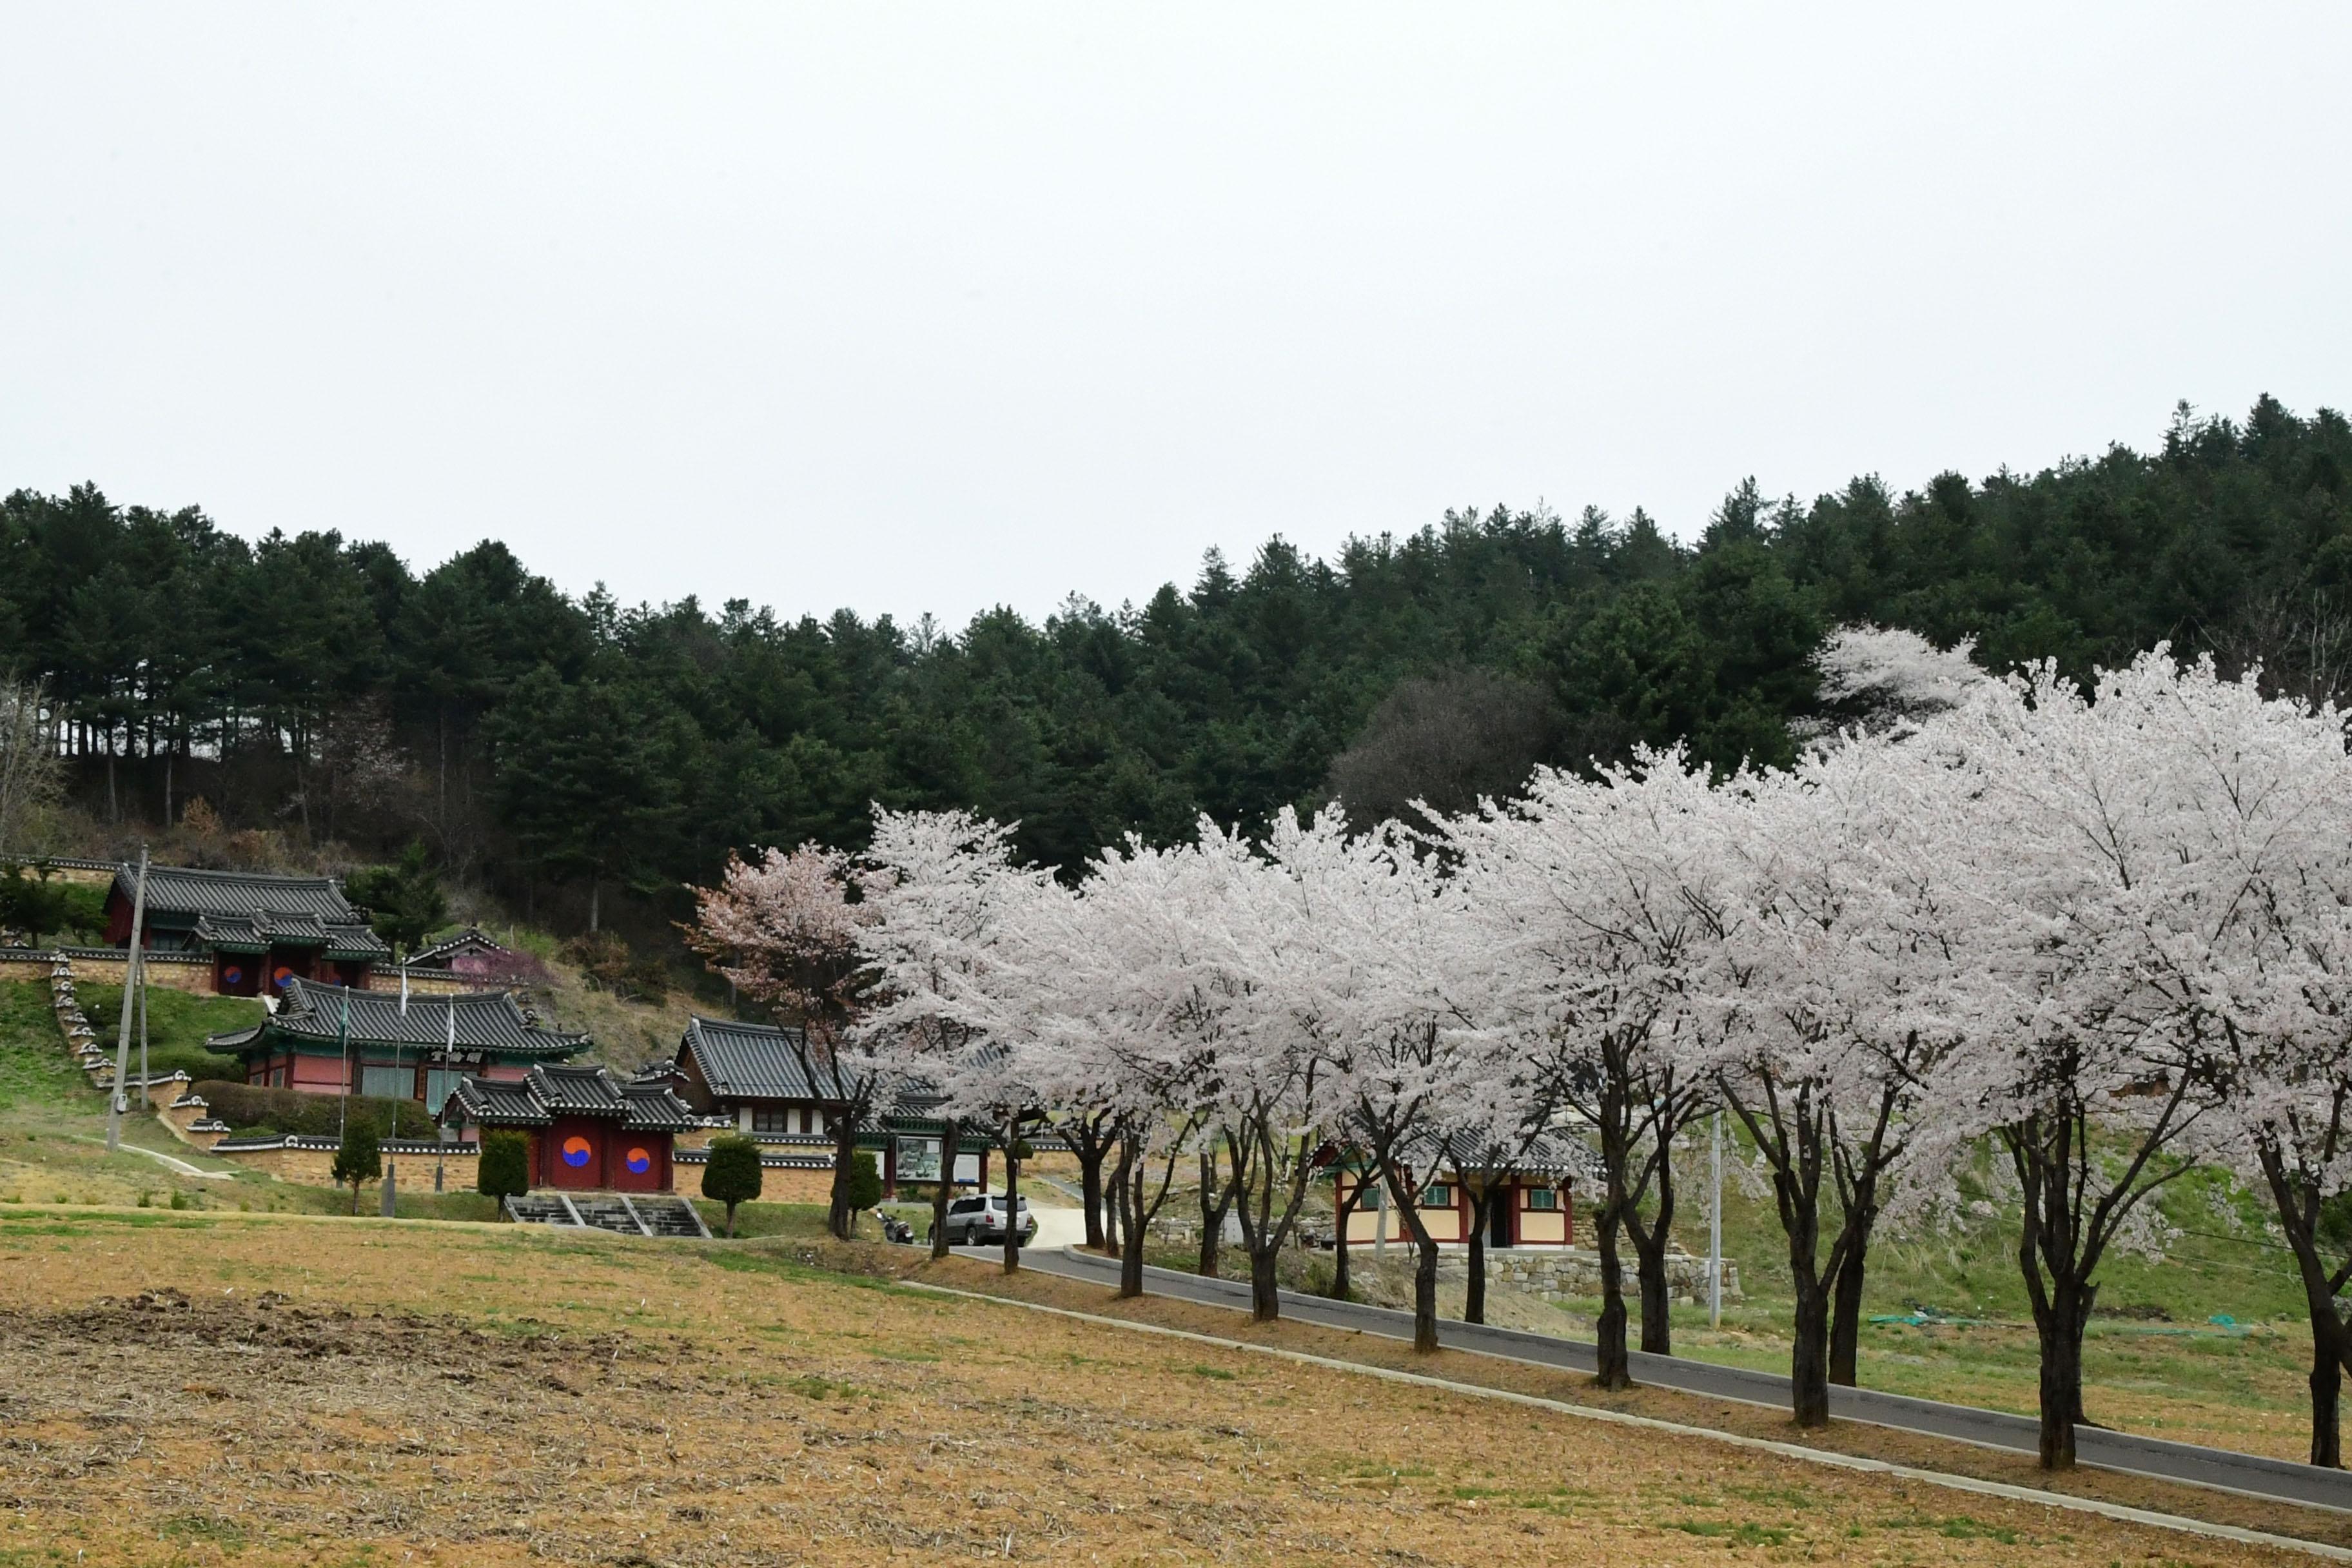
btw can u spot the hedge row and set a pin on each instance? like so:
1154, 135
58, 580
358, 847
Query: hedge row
248, 1107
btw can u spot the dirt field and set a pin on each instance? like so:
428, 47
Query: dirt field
203, 1389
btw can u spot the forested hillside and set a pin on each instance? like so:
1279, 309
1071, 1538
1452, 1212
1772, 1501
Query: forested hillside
323, 688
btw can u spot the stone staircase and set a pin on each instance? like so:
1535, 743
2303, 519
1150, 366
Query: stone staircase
630, 1213
673, 1217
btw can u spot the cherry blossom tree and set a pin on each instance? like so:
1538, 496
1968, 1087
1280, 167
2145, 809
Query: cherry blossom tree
964, 985
1380, 980
1833, 1010
785, 928
1266, 1096
2093, 1055
1595, 903
2261, 957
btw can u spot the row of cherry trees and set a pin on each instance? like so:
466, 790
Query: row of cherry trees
2078, 939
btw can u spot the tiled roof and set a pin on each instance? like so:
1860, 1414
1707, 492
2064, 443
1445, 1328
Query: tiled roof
747, 1061
654, 1109
1550, 1153
437, 956
550, 1092
577, 1091
493, 1104
185, 890
485, 1020
261, 930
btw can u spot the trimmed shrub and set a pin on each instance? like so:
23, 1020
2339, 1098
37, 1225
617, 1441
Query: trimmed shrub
244, 1106
504, 1168
864, 1183
733, 1176
358, 1161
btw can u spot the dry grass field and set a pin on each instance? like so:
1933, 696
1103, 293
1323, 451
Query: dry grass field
214, 1388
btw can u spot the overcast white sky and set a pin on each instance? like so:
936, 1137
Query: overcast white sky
915, 307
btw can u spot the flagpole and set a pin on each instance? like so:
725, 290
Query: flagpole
344, 1106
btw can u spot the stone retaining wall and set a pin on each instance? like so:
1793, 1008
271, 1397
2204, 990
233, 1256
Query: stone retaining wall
193, 971
1552, 1273
778, 1183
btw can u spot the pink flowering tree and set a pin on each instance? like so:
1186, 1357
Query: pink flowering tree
785, 927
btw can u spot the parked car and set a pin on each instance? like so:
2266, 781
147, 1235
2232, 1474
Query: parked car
979, 1222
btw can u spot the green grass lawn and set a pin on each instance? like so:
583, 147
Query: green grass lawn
2155, 1361
34, 1066
177, 1025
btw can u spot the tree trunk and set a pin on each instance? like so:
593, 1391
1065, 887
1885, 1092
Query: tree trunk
1342, 1210
595, 905
1127, 1180
1012, 1195
1265, 1298
844, 1154
1650, 1269
1612, 1368
2328, 1352
1216, 1203
948, 1137
1090, 1152
2060, 1329
1845, 1314
1424, 1264
1809, 1380
1474, 1290
1113, 1211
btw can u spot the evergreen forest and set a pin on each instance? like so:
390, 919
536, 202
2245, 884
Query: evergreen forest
569, 752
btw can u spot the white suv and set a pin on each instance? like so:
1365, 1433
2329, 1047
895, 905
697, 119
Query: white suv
979, 1222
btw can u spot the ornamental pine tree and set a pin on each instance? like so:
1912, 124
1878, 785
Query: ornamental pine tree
733, 1174
358, 1161
503, 1168
864, 1185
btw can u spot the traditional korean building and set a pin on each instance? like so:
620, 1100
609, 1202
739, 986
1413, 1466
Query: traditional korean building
470, 951
1536, 1203
588, 1130
262, 932
326, 1039
751, 1074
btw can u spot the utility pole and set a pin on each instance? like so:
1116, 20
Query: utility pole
1715, 1230
122, 1103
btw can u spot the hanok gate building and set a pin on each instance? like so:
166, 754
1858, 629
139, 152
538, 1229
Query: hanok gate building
262, 932
1534, 1202
330, 1040
587, 1129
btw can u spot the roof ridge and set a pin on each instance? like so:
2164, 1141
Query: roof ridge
132, 871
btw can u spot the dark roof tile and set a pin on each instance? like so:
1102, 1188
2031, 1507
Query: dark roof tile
747, 1061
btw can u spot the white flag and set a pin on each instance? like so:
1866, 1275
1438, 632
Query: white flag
453, 1023
404, 993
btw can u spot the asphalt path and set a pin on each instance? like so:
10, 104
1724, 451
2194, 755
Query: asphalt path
2251, 1474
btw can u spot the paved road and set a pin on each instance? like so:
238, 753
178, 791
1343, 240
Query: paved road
2275, 1479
